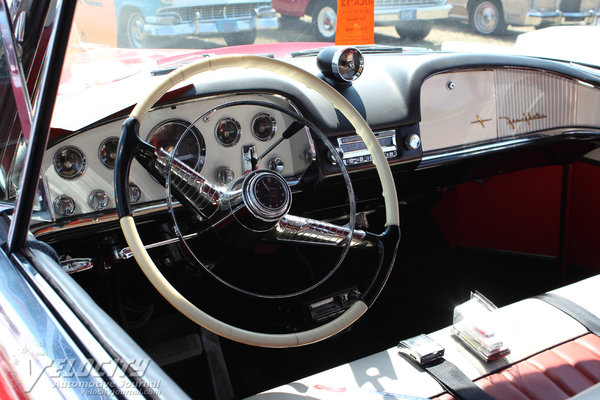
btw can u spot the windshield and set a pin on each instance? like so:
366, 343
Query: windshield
546, 28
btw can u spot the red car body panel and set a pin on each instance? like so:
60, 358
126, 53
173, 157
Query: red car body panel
296, 8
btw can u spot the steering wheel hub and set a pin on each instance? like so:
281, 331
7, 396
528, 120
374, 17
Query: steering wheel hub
267, 195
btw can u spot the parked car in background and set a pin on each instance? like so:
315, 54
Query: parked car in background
491, 17
138, 22
413, 20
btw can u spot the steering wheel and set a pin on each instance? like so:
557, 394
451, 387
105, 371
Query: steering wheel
130, 145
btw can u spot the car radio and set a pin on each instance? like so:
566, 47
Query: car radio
354, 151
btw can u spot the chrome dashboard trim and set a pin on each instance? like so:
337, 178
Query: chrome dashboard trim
57, 226
125, 253
580, 67
81, 221
434, 158
429, 160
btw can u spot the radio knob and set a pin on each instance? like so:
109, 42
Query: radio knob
276, 164
224, 175
331, 157
413, 142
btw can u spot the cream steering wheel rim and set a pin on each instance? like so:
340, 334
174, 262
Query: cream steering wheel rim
169, 292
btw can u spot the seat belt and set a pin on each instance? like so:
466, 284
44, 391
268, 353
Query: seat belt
429, 355
574, 310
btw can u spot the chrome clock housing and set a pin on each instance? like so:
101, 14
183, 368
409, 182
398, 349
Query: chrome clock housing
341, 64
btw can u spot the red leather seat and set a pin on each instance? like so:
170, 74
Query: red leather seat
554, 374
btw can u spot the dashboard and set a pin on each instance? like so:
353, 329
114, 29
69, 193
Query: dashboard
216, 138
426, 109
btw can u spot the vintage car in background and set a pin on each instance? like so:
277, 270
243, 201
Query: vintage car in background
491, 17
284, 220
413, 20
137, 23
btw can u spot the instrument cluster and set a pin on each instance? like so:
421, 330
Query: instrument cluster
209, 135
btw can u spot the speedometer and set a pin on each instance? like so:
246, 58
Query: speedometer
191, 150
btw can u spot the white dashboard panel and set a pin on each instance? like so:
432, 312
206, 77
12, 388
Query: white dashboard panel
457, 108
97, 176
588, 106
469, 106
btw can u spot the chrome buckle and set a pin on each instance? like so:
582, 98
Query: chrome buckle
422, 349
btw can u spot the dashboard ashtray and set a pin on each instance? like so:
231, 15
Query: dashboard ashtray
477, 326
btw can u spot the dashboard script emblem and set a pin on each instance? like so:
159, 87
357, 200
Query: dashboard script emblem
525, 117
480, 121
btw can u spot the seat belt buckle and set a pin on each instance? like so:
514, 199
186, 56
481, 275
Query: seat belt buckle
422, 349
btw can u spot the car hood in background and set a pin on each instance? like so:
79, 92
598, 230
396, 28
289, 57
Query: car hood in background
568, 43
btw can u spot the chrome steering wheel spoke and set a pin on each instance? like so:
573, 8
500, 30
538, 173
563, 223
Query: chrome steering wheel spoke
291, 228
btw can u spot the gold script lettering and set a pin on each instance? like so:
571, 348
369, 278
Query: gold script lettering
525, 117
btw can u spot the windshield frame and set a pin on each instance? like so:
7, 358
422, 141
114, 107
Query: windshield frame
40, 118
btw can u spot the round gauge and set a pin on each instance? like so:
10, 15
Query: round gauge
264, 126
107, 152
134, 193
98, 200
271, 192
191, 150
350, 64
69, 162
64, 205
228, 132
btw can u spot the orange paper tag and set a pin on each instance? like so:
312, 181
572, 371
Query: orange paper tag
355, 22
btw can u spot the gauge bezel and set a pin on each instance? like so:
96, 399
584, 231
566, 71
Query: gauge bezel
91, 196
273, 124
336, 64
238, 133
131, 186
60, 198
102, 144
83, 162
255, 205
195, 132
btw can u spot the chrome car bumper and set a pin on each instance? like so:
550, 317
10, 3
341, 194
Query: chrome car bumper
574, 18
416, 12
169, 25
536, 18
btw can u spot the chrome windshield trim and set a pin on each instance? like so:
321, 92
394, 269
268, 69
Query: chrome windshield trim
19, 86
